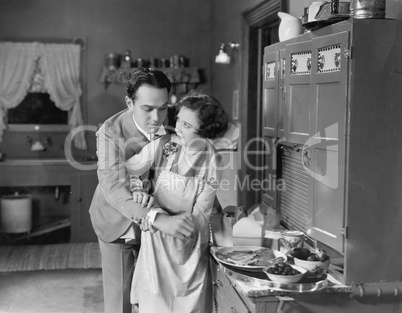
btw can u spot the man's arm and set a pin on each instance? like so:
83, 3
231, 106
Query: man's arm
114, 178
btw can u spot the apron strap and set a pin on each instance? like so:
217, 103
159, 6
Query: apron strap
202, 172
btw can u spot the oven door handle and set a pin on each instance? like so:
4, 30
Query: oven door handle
306, 156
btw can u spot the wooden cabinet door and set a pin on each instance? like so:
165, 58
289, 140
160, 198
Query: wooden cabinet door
324, 152
297, 92
270, 94
282, 94
83, 188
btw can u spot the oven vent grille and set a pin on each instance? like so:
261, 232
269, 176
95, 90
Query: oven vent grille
293, 199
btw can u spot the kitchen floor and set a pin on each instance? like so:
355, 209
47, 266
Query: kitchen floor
60, 291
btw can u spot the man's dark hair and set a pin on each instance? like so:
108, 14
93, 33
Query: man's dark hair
146, 76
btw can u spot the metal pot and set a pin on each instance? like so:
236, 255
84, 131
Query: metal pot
367, 8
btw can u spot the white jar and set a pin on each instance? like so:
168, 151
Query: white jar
16, 213
313, 10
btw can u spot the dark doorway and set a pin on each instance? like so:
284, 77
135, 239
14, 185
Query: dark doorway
260, 28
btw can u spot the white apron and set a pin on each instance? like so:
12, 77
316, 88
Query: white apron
171, 274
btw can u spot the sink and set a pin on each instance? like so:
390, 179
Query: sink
52, 161
42, 172
35, 161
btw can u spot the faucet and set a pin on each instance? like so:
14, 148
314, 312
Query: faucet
47, 142
38, 145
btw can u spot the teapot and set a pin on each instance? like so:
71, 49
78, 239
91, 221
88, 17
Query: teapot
289, 27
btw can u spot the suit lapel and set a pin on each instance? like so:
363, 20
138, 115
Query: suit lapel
134, 139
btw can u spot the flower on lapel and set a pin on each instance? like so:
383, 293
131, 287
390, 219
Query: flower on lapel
169, 148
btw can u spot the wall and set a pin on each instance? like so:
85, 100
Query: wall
156, 28
227, 25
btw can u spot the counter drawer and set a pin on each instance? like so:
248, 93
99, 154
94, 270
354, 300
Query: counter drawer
220, 281
236, 303
221, 305
229, 299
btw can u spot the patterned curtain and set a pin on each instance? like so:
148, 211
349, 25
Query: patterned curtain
60, 67
17, 64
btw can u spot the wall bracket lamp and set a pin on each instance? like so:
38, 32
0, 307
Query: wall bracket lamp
223, 57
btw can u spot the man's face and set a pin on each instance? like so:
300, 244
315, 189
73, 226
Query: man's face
149, 107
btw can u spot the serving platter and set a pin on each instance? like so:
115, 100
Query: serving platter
223, 255
257, 282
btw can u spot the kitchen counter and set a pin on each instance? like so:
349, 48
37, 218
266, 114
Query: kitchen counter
235, 291
42, 172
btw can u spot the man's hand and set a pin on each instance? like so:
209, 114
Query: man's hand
143, 198
180, 226
146, 226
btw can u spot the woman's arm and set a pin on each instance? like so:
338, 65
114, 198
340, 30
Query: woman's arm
186, 225
205, 200
180, 226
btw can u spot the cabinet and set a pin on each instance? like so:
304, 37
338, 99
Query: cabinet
226, 298
57, 172
83, 188
331, 106
327, 142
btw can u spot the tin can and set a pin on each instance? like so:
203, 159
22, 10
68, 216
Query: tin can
112, 61
290, 239
360, 9
140, 62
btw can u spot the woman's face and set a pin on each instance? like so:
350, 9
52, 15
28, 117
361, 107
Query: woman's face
187, 126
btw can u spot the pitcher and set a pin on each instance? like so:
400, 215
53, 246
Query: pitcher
289, 27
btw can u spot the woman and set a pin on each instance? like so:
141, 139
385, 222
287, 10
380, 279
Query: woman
171, 273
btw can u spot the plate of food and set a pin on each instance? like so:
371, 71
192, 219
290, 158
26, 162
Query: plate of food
248, 258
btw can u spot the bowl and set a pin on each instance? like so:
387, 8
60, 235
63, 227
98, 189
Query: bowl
285, 278
314, 268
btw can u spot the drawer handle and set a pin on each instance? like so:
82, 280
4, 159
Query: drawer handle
218, 283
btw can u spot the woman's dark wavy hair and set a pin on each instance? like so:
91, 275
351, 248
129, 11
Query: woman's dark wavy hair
214, 121
146, 76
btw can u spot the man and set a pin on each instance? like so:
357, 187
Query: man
113, 211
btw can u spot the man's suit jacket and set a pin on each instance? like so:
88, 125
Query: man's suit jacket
112, 209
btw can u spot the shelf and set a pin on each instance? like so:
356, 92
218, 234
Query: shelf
181, 78
41, 230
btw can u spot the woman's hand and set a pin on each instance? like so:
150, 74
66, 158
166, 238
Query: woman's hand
179, 226
143, 198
